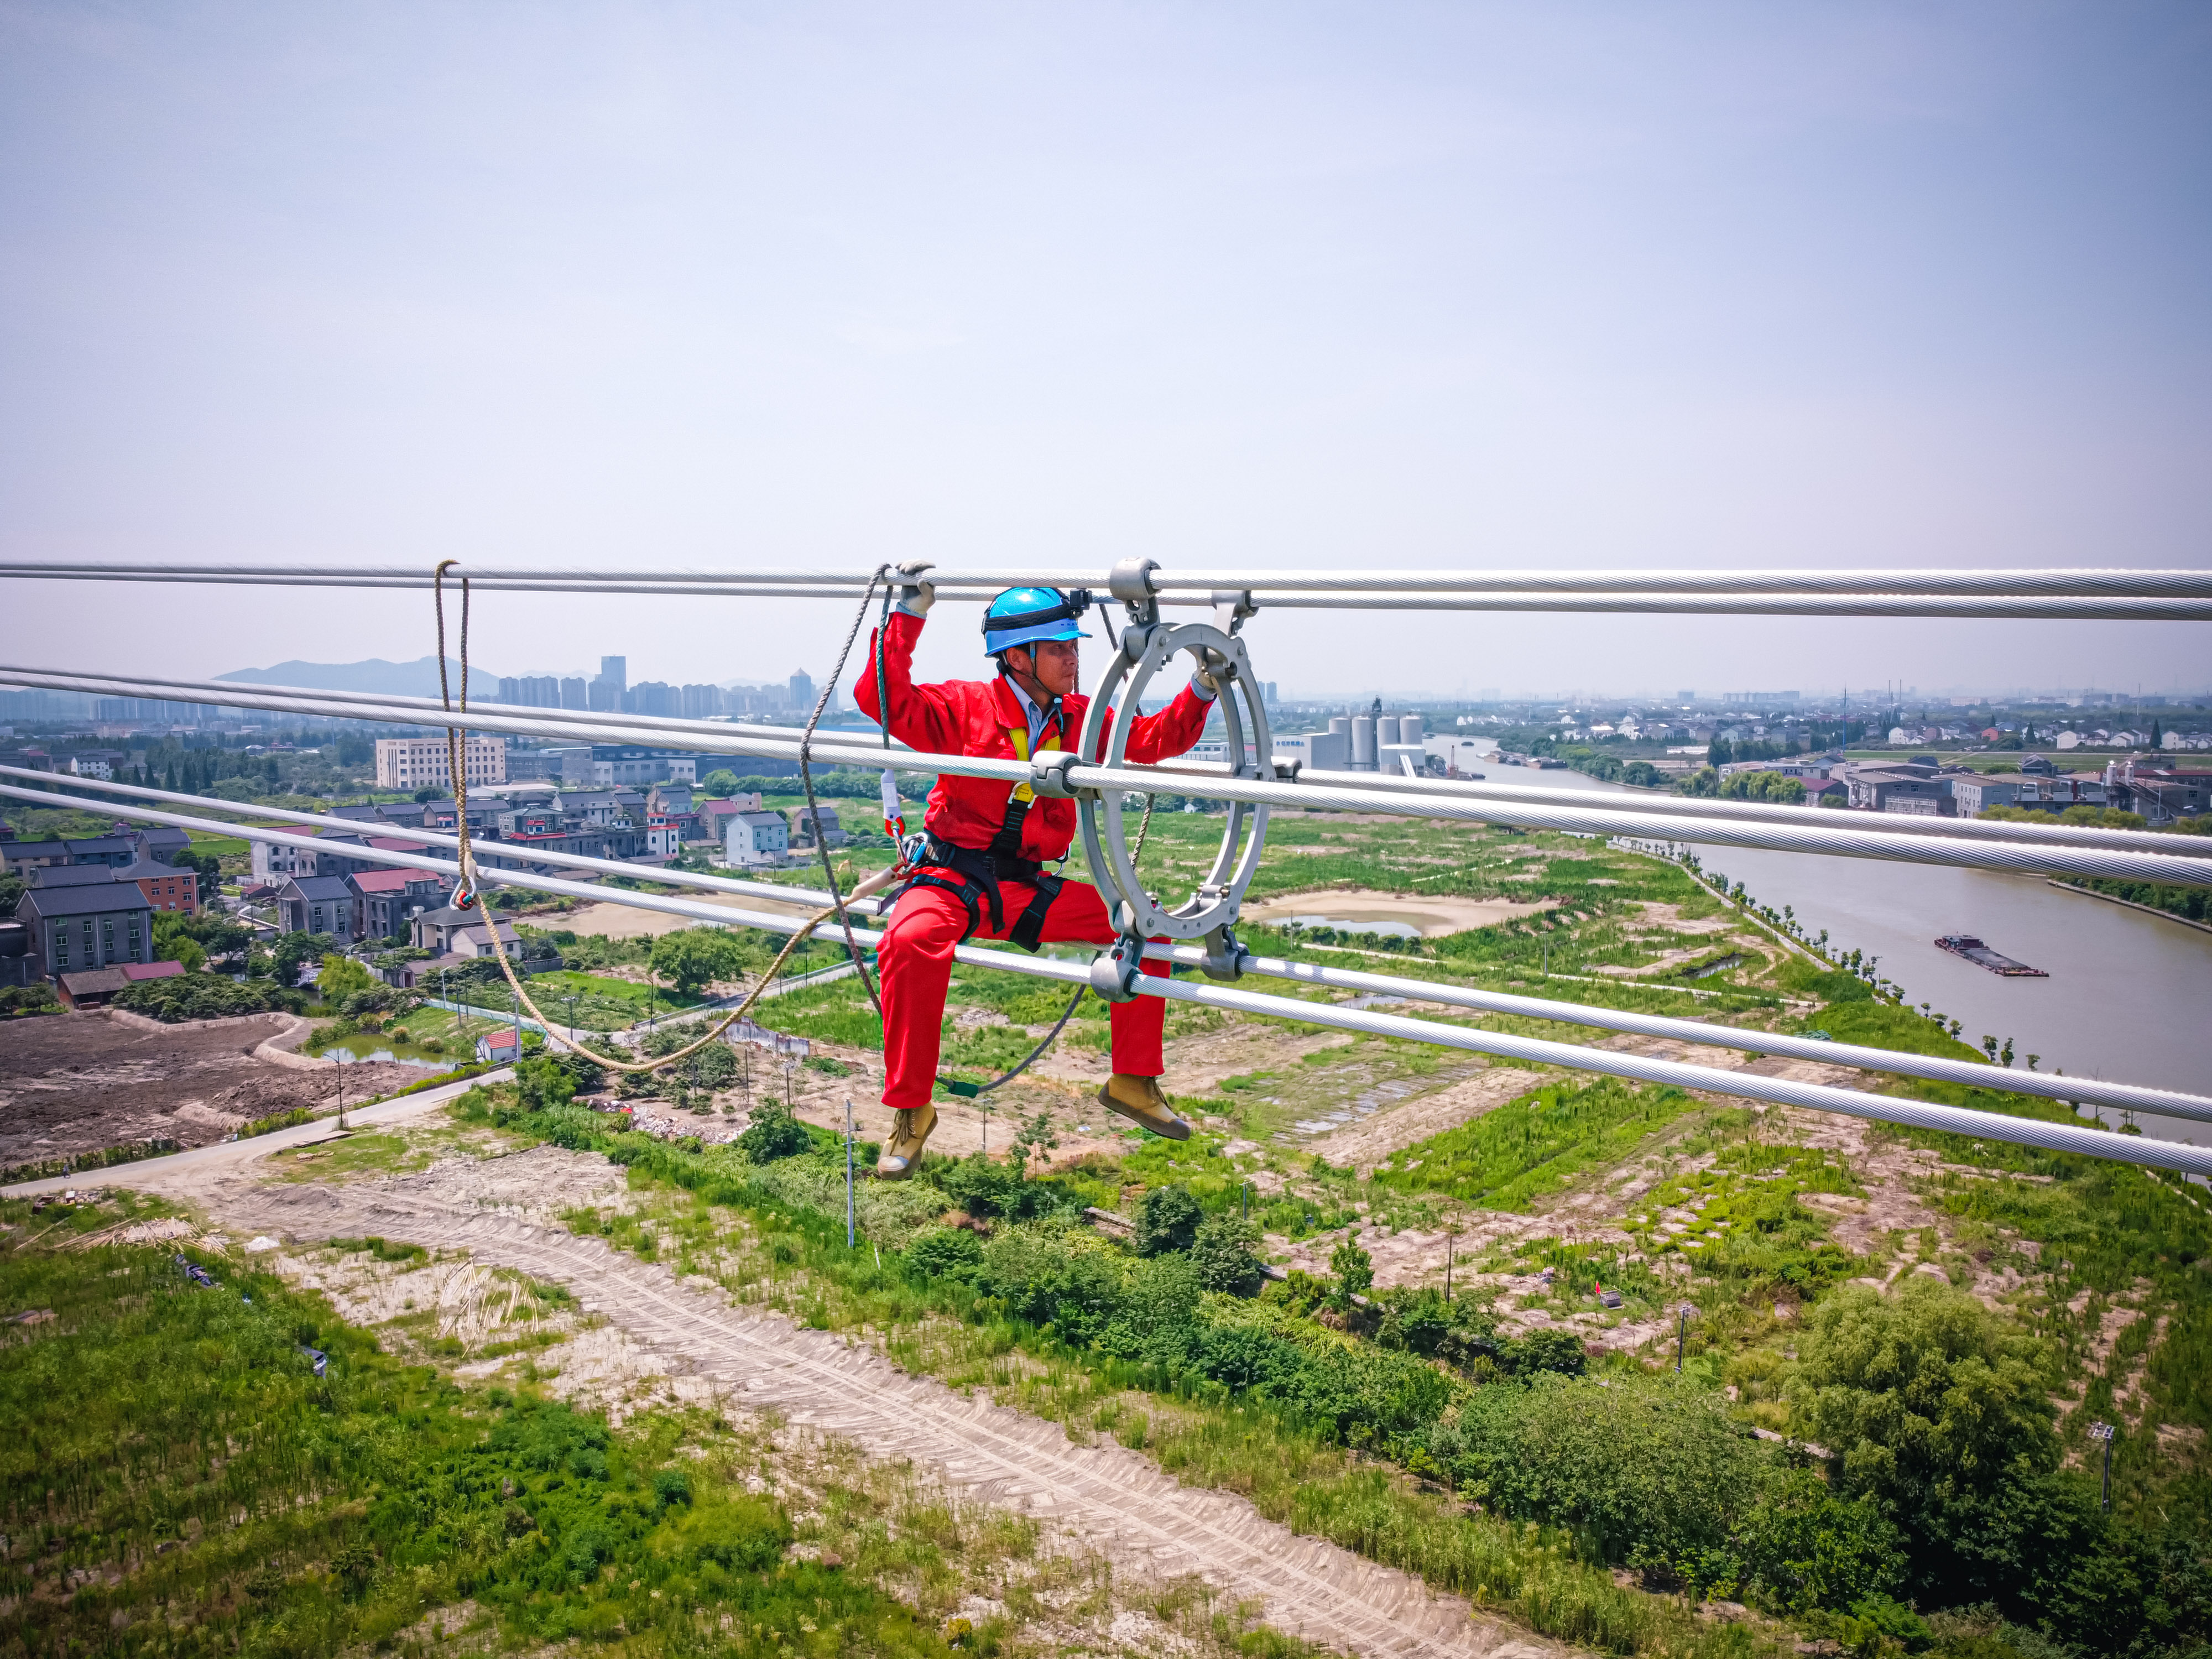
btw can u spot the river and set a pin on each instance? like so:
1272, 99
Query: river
2128, 996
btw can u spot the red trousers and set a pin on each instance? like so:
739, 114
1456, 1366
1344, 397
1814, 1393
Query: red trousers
916, 963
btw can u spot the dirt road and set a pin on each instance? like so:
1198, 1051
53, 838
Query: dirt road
1116, 1498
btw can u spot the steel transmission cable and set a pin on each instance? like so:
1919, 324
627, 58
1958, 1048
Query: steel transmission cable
2023, 857
1950, 1120
671, 730
2051, 581
2118, 1096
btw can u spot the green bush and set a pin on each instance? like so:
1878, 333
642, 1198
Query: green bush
1167, 1219
773, 1134
1069, 1280
1222, 1254
1649, 1471
38, 999
951, 1253
542, 1082
201, 996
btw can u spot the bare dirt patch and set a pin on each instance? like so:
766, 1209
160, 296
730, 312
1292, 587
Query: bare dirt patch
75, 1082
622, 921
1434, 917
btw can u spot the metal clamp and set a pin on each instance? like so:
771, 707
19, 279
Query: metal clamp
1231, 606
1224, 957
1105, 844
1048, 774
1131, 582
1113, 972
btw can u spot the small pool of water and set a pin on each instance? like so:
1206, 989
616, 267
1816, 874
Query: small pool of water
364, 1047
1395, 929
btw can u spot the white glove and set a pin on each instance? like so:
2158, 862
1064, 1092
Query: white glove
916, 596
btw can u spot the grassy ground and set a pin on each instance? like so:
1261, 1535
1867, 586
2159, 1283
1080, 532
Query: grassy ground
604, 1003
179, 1480
771, 1251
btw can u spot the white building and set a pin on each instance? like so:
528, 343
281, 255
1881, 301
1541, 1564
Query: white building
412, 763
758, 840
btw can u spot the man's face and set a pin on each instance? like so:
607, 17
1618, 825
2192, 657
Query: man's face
1053, 664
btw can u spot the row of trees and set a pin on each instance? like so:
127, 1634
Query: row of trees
1775, 787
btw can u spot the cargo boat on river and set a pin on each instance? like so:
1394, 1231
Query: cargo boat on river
1967, 945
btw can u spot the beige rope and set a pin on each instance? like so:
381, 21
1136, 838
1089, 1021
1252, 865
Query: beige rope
471, 885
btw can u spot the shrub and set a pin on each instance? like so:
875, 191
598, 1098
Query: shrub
953, 1254
199, 996
542, 1082
1222, 1255
984, 1186
1648, 1468
1167, 1219
1354, 1270
773, 1134
1156, 1313
1071, 1281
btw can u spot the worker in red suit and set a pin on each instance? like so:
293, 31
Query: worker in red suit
981, 871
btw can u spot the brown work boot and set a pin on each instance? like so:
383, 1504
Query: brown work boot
902, 1154
1140, 1100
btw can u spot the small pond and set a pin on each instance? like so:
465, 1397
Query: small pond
365, 1046
1395, 929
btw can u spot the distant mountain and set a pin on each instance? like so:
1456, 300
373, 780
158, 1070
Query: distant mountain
418, 679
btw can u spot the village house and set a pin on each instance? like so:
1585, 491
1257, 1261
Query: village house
317, 904
166, 887
386, 902
94, 924
757, 841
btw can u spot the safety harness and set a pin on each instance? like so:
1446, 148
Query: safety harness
972, 874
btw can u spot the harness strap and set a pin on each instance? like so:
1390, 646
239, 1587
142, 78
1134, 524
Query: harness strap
1029, 927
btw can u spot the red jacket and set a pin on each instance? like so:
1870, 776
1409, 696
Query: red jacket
978, 717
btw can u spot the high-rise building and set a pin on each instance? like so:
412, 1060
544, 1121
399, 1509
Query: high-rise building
609, 684
702, 702
652, 698
802, 691
574, 694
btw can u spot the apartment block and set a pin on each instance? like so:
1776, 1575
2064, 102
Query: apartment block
411, 763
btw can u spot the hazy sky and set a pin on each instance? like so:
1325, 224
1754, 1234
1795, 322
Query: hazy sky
1231, 285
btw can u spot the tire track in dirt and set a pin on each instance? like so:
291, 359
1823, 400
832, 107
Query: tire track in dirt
1116, 1499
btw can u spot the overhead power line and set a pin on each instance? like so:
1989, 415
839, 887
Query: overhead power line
2025, 856
1987, 1126
2120, 1097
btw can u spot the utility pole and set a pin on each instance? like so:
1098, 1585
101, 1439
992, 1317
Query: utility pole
2103, 1431
1450, 1239
338, 1061
848, 1172
1682, 1339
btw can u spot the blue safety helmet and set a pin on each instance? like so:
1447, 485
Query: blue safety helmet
1024, 615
